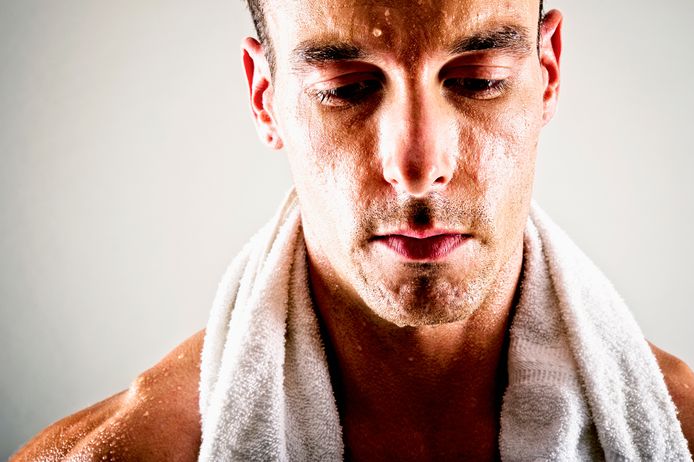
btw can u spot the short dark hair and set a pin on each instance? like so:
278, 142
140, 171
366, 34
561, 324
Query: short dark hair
257, 7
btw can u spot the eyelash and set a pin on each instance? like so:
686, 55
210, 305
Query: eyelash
348, 95
477, 88
355, 93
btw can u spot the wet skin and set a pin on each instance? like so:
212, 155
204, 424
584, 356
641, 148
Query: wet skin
410, 134
411, 128
406, 121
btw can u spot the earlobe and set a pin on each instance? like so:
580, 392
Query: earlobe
260, 92
273, 141
550, 54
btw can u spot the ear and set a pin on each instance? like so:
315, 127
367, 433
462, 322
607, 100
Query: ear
550, 53
260, 91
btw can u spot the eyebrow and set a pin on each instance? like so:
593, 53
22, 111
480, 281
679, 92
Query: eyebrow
318, 53
514, 39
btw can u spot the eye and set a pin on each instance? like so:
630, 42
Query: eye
348, 95
476, 88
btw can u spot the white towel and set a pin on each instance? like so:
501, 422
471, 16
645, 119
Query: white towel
583, 384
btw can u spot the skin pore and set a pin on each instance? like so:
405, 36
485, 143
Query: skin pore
398, 116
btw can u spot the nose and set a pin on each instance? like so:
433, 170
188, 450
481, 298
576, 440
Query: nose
414, 146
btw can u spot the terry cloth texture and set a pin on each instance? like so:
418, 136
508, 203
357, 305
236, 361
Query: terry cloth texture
583, 384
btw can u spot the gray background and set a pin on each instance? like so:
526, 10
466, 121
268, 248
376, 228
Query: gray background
130, 174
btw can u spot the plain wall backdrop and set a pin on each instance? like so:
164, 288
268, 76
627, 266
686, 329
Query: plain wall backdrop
130, 174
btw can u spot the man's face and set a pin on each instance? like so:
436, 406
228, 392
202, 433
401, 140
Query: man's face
411, 128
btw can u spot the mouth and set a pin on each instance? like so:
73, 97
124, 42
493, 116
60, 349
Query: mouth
427, 246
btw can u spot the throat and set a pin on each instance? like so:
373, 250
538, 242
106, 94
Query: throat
419, 412
415, 398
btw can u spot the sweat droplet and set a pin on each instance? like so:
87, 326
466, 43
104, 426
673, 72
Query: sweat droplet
377, 32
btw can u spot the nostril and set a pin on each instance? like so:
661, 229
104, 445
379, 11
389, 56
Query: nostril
416, 174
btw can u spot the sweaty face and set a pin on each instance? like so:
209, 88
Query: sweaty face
411, 128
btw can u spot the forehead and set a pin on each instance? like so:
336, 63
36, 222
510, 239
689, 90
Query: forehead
403, 27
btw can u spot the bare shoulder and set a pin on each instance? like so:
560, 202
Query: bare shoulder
679, 379
157, 418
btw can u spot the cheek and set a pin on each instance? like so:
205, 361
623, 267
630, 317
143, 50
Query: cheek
333, 169
341, 146
507, 151
499, 140
498, 164
496, 139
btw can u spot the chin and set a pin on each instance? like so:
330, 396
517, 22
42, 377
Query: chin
426, 301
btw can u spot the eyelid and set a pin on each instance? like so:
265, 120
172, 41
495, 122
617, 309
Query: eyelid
493, 58
343, 80
476, 72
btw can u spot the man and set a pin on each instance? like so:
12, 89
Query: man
395, 308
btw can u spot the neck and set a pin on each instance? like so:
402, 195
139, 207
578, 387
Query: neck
449, 370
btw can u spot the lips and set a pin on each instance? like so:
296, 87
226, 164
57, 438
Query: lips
429, 246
